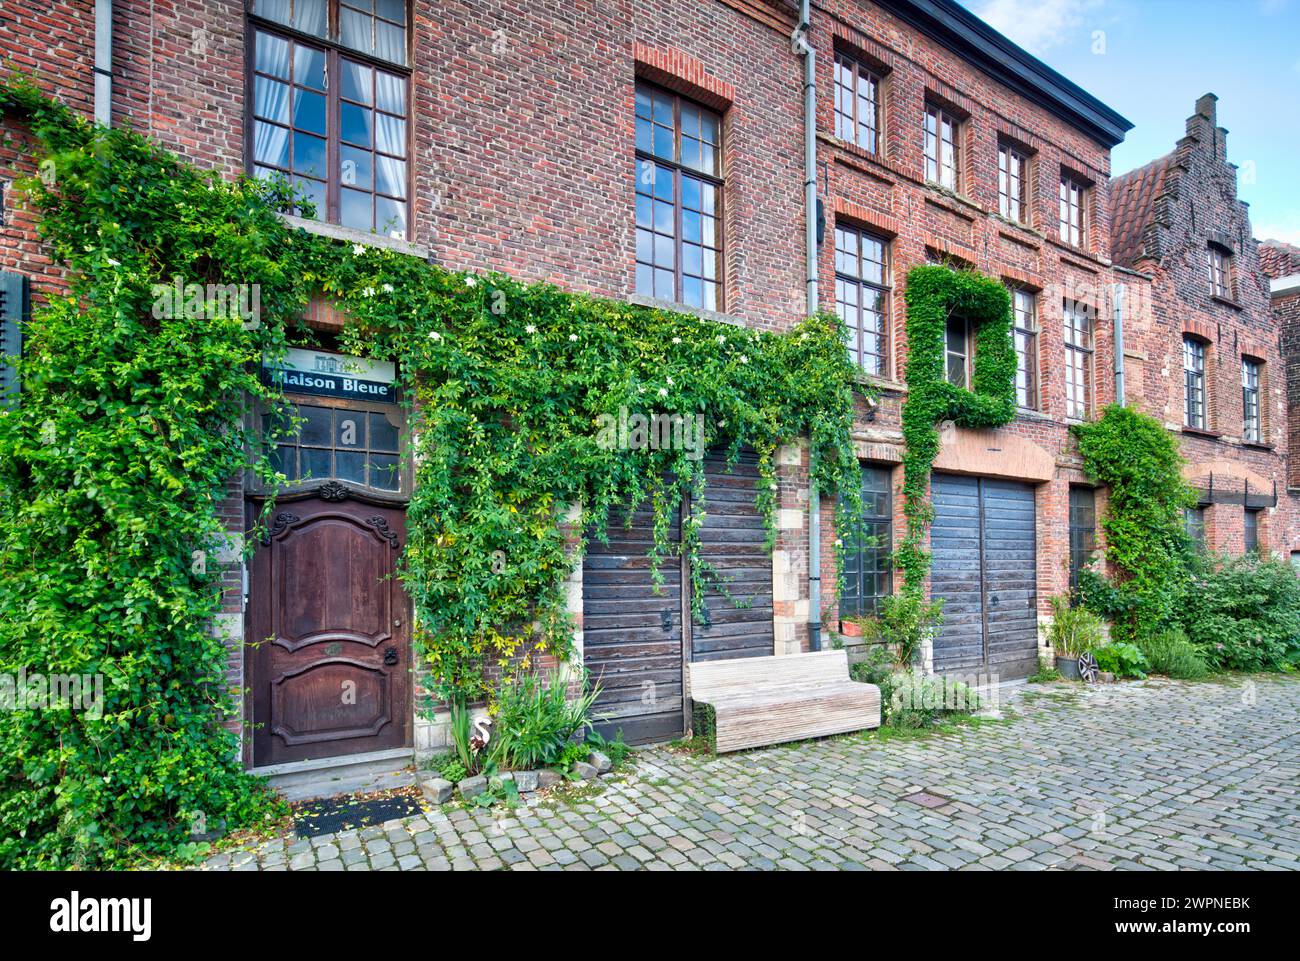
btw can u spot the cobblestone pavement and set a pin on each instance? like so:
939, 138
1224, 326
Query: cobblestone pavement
1141, 776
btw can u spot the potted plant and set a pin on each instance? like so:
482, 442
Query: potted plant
1075, 632
860, 625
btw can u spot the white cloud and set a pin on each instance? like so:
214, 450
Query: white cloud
1037, 25
1286, 230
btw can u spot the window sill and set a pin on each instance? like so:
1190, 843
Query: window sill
1258, 445
1031, 413
1198, 432
642, 300
1226, 302
883, 383
353, 236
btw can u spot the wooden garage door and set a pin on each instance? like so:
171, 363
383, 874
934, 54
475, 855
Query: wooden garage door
636, 642
983, 547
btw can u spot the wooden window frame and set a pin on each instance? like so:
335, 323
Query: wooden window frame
1073, 199
940, 116
862, 284
1250, 530
1028, 331
334, 52
1082, 538
1079, 357
1194, 381
855, 597
966, 354
1007, 153
859, 73
680, 170
1252, 426
1222, 283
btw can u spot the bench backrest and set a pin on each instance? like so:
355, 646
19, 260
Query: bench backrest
741, 674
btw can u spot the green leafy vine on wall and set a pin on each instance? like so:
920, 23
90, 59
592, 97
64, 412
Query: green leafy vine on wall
132, 422
1132, 455
934, 294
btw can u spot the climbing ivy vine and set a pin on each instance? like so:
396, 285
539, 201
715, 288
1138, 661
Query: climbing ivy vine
1139, 463
936, 293
133, 420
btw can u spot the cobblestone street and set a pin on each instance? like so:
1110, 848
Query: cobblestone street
1141, 776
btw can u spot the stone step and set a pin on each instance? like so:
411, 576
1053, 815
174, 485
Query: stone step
352, 774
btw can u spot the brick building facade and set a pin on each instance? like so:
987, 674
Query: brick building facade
521, 138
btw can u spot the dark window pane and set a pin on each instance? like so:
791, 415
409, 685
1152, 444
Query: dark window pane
309, 66
383, 435
316, 428
390, 92
350, 430
311, 16
356, 209
356, 123
354, 167
357, 81
316, 464
384, 472
309, 154
351, 466
309, 111
272, 55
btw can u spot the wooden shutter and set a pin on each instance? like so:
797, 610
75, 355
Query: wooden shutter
13, 313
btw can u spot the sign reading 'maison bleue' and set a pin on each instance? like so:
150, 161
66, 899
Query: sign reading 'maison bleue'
333, 375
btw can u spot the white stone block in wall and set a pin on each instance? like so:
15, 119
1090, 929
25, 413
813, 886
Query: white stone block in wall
789, 519
228, 626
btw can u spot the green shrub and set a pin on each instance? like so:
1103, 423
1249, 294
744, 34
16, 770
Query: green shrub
534, 719
906, 620
918, 700
1121, 659
1244, 613
1172, 654
1073, 630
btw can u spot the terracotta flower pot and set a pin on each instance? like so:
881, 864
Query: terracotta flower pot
850, 628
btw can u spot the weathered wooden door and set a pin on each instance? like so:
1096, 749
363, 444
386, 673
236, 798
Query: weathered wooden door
733, 541
984, 568
329, 632
636, 641
632, 636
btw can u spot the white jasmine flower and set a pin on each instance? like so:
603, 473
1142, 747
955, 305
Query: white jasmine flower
663, 391
839, 542
677, 340
670, 382
470, 282
721, 339
368, 292
530, 329
114, 263
744, 359
573, 337
388, 288
434, 335
358, 249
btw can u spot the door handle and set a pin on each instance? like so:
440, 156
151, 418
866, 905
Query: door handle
993, 599
390, 656
666, 619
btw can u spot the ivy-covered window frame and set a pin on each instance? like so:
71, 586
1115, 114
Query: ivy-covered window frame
1082, 529
934, 294
868, 559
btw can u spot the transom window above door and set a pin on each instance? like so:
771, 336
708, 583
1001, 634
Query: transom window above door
678, 199
362, 447
329, 108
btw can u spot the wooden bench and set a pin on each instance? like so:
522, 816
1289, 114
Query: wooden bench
770, 700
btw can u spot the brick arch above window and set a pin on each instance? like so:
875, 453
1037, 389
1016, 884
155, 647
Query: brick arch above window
683, 74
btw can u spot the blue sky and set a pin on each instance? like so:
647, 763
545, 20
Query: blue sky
1151, 59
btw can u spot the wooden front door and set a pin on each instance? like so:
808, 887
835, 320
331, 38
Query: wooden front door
329, 631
